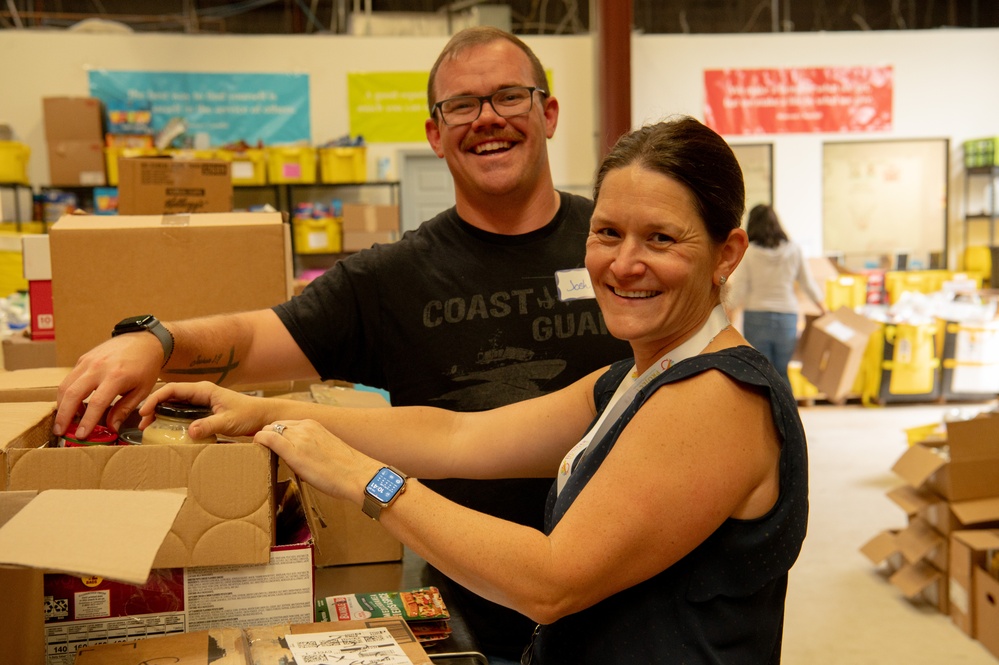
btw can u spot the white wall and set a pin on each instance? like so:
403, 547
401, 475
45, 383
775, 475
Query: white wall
944, 88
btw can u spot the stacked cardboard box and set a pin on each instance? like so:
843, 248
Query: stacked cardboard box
949, 492
74, 132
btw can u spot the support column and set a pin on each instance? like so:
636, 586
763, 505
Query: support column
614, 18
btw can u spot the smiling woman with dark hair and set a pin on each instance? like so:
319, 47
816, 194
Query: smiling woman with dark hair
680, 500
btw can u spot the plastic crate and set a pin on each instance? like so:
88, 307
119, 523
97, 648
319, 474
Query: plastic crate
343, 164
249, 167
14, 157
981, 152
114, 153
291, 165
317, 236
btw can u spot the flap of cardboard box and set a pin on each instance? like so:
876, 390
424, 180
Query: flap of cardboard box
917, 464
109, 533
881, 546
227, 519
976, 511
913, 500
37, 384
978, 539
201, 647
918, 539
913, 578
25, 424
848, 327
973, 439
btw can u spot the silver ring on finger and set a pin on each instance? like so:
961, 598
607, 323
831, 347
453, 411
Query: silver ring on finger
279, 428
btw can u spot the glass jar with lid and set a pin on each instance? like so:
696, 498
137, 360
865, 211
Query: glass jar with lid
172, 421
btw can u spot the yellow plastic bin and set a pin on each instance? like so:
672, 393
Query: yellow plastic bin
318, 236
249, 167
291, 165
14, 157
846, 291
343, 164
114, 153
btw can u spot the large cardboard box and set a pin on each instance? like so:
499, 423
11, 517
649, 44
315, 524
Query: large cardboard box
966, 468
833, 351
154, 186
174, 267
946, 516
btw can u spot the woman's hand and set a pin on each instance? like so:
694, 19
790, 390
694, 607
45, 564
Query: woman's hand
319, 457
234, 414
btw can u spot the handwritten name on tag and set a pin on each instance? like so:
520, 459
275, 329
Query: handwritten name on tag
574, 284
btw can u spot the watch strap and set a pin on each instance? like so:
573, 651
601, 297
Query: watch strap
166, 339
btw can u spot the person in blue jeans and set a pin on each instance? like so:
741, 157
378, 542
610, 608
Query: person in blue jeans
764, 288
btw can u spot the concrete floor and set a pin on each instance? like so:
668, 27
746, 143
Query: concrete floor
841, 610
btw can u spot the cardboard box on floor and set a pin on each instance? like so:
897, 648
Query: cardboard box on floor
256, 646
965, 469
833, 350
917, 578
172, 266
165, 186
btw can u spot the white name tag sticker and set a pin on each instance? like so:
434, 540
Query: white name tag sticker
574, 284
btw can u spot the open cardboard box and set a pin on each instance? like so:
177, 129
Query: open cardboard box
82, 612
965, 469
946, 516
71, 531
833, 349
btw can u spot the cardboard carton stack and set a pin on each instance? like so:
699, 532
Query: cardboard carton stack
951, 500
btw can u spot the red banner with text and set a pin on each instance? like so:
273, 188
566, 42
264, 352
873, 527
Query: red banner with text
798, 100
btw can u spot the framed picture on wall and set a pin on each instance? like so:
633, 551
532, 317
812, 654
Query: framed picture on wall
884, 203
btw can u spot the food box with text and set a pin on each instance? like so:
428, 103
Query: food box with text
163, 185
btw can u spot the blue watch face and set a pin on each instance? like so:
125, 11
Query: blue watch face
385, 485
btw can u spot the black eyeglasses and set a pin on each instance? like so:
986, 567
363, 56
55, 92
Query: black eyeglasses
506, 103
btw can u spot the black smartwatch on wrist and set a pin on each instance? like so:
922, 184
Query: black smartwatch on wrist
147, 323
382, 491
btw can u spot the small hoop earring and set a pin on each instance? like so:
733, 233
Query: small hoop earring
722, 280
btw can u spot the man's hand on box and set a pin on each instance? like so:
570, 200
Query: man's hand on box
126, 366
233, 413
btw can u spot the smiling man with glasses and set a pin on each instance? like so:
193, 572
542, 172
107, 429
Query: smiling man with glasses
462, 313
